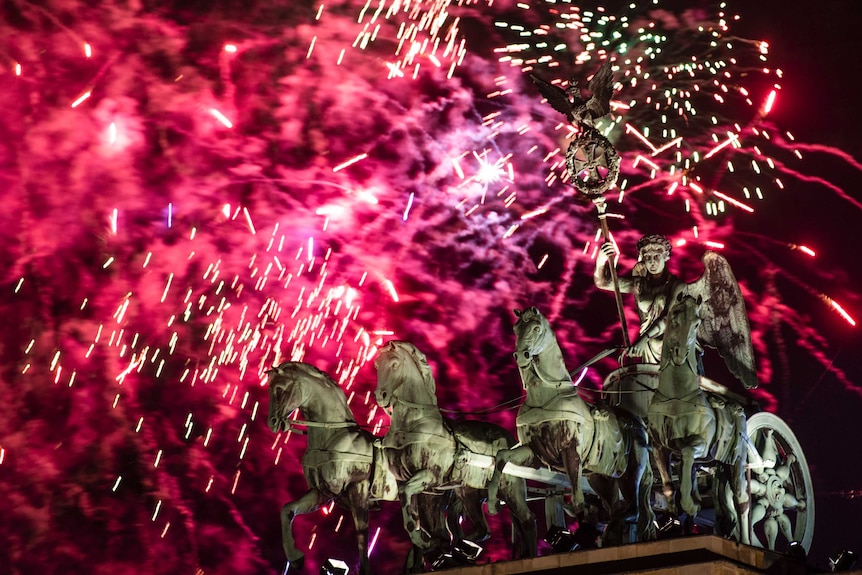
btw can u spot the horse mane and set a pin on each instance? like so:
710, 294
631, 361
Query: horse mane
313, 371
419, 360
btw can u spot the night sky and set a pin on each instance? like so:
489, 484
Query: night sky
811, 41
196, 191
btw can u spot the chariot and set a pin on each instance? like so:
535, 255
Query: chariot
778, 478
740, 470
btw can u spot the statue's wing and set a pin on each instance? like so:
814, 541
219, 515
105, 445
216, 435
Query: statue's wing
724, 324
602, 88
556, 96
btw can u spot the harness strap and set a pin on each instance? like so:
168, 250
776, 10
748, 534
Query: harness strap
314, 458
408, 403
324, 424
659, 396
545, 379
420, 438
541, 414
570, 393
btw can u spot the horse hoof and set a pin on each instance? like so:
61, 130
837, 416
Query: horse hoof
295, 565
573, 510
692, 511
493, 507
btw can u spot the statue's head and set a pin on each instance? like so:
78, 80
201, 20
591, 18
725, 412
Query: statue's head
654, 252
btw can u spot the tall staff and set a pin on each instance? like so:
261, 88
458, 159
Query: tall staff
592, 161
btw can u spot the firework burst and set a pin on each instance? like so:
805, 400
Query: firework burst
193, 197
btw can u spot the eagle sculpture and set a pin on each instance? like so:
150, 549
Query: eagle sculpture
570, 101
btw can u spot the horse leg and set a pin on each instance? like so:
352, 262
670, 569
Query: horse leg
726, 520
521, 455
468, 503
662, 461
409, 508
646, 515
415, 562
686, 482
741, 500
456, 513
431, 510
572, 464
309, 502
636, 485
357, 497
433, 518
514, 493
608, 489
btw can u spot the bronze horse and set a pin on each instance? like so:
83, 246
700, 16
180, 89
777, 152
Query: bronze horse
345, 463
430, 453
688, 422
557, 428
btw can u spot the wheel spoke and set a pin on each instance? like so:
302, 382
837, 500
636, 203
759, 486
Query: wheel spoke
782, 510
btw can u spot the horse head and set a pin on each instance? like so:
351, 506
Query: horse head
397, 364
286, 392
532, 335
680, 336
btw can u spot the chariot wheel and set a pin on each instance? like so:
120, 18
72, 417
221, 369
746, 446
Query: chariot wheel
782, 495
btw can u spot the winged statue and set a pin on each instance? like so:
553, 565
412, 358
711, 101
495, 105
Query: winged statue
724, 322
570, 101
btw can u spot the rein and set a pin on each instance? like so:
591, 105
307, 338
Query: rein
323, 424
572, 393
295, 425
543, 378
408, 403
505, 405
500, 407
685, 398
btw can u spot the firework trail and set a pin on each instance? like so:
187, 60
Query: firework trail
192, 197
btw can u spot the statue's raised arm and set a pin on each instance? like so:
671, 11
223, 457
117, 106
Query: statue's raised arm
724, 323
